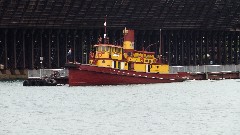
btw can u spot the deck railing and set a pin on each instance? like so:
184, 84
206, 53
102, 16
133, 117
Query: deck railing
40, 73
205, 68
173, 69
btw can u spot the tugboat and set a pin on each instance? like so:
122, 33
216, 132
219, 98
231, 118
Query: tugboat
120, 65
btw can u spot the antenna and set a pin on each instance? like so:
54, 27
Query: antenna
149, 46
160, 42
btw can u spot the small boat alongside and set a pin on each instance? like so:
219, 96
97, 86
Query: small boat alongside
46, 77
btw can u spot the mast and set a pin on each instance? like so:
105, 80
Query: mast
160, 46
105, 30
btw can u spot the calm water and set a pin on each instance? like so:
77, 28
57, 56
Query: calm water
188, 108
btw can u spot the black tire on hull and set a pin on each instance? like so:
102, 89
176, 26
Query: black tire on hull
26, 83
37, 82
41, 82
50, 82
32, 83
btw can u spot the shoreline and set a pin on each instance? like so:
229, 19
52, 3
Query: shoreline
13, 74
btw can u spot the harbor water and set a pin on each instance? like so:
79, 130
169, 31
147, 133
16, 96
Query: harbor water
187, 108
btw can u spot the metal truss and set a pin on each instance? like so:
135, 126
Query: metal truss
22, 48
135, 14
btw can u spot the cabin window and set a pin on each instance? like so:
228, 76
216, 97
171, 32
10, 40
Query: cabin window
150, 61
117, 49
103, 48
98, 48
114, 49
157, 66
107, 48
103, 61
146, 60
119, 65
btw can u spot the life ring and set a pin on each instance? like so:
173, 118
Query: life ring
99, 54
141, 59
91, 54
94, 61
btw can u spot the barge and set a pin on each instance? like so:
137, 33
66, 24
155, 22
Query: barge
46, 77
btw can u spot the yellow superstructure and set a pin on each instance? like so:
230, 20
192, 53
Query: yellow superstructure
126, 58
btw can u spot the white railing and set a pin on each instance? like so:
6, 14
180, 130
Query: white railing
173, 69
39, 73
205, 68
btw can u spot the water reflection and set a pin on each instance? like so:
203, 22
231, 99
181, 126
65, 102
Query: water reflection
195, 107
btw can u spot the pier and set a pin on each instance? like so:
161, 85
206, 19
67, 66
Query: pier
187, 33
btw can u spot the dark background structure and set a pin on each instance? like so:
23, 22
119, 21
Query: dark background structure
193, 32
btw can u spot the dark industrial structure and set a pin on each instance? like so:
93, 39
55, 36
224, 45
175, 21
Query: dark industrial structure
184, 32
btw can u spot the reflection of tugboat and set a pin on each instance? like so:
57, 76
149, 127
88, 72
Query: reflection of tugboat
114, 65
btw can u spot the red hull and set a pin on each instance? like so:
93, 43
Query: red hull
85, 75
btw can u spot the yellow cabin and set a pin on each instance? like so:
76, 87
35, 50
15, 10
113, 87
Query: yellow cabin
126, 58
